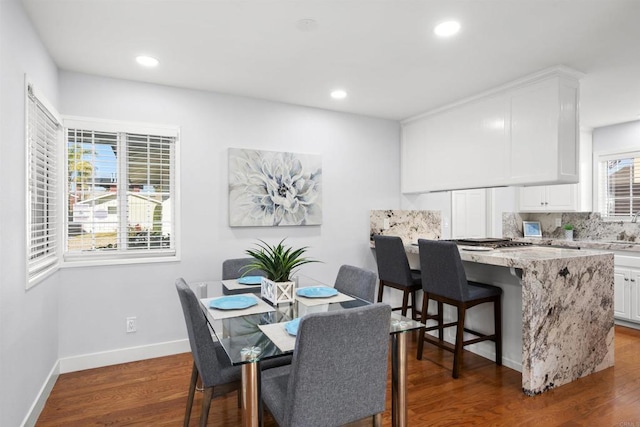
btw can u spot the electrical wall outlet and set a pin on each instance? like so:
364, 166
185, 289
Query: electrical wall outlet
385, 224
558, 222
131, 325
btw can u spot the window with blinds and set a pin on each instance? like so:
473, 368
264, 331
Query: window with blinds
43, 138
120, 192
619, 185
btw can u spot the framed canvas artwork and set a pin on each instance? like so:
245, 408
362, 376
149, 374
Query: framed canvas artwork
271, 188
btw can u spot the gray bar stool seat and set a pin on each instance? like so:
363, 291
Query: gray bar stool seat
394, 272
444, 281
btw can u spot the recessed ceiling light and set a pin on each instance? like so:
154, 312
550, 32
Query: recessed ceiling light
147, 61
339, 94
447, 28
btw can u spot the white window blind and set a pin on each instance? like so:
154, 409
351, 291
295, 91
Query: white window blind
121, 193
619, 185
43, 237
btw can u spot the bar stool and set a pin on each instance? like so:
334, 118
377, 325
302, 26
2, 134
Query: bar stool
444, 281
394, 271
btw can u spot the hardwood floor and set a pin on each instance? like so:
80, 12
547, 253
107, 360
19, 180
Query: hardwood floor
154, 392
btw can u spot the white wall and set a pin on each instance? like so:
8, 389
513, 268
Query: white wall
620, 137
617, 138
356, 153
28, 319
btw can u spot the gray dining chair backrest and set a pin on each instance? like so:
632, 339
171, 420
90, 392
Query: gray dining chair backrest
442, 269
339, 368
357, 282
391, 256
200, 340
232, 268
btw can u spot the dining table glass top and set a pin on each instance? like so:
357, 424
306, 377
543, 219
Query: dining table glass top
248, 336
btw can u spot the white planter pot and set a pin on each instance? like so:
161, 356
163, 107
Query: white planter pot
277, 292
568, 234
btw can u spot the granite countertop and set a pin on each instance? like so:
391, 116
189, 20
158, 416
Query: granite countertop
604, 245
519, 256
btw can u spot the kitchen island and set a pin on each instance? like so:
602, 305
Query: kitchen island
557, 310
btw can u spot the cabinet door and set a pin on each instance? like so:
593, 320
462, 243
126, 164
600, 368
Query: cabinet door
561, 197
549, 198
532, 199
635, 296
534, 132
469, 213
621, 291
544, 143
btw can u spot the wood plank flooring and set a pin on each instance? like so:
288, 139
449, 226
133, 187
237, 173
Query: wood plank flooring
153, 393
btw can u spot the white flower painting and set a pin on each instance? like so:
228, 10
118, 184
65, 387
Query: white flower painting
269, 188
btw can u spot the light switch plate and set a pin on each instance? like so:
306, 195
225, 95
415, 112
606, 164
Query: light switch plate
558, 222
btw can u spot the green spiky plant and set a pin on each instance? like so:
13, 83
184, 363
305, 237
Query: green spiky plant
277, 261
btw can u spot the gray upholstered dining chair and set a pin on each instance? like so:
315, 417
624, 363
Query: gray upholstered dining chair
210, 362
444, 281
394, 271
338, 373
234, 268
357, 282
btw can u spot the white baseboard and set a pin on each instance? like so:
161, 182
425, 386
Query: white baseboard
97, 360
123, 355
627, 324
37, 406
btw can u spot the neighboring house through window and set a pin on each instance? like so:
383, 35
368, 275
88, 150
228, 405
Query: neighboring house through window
121, 191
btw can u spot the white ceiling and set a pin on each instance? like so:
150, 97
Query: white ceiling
382, 52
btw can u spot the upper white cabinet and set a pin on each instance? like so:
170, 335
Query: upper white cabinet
549, 198
522, 133
562, 197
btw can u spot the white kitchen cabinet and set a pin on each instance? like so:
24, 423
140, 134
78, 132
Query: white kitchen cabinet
549, 198
544, 132
622, 292
522, 133
456, 149
469, 213
627, 289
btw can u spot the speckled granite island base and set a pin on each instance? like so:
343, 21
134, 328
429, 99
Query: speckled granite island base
567, 311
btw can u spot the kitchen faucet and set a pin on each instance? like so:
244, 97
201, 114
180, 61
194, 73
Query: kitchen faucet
635, 217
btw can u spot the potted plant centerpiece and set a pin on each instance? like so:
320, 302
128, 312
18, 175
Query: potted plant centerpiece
278, 262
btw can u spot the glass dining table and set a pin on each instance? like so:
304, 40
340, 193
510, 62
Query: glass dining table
258, 333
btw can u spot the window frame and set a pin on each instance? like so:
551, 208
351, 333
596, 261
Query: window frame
599, 181
35, 273
123, 257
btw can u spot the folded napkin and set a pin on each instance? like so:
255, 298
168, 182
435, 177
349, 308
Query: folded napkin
279, 336
261, 307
